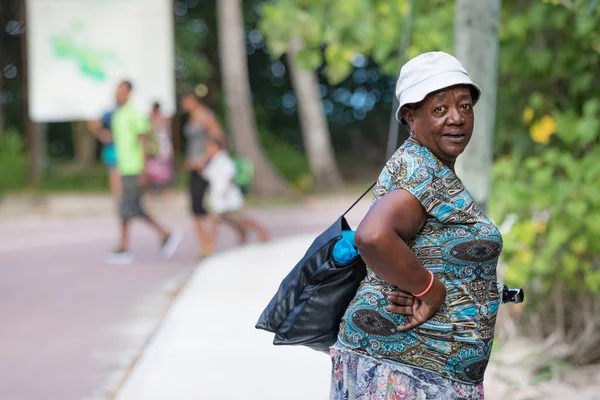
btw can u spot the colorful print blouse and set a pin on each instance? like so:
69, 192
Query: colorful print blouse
461, 246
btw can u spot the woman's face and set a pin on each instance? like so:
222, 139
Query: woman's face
187, 103
443, 122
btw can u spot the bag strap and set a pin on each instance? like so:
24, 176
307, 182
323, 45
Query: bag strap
360, 198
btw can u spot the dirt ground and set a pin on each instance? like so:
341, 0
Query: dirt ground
510, 377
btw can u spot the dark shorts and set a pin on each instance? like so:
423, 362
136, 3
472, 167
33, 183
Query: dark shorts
131, 198
198, 187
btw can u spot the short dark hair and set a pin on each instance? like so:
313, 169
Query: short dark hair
128, 84
156, 106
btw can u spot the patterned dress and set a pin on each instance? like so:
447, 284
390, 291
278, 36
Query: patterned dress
446, 357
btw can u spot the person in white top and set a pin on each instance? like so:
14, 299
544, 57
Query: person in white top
225, 199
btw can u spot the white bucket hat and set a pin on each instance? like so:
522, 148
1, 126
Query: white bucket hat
428, 73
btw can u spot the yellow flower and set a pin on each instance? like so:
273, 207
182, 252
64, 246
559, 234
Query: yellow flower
528, 115
541, 227
541, 130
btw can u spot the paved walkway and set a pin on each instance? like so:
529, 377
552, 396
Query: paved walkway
76, 324
208, 348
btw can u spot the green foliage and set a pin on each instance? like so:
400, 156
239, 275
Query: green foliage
65, 177
438, 14
555, 194
556, 174
549, 57
351, 27
13, 161
347, 28
195, 68
548, 176
289, 162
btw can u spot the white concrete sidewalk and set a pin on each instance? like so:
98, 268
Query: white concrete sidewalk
208, 348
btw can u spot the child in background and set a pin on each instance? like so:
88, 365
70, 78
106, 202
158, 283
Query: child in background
225, 199
160, 165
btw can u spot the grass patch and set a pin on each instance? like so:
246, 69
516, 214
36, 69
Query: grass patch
65, 177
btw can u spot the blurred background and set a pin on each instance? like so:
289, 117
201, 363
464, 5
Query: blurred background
305, 90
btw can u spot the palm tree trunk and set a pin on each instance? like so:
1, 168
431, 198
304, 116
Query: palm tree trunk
1, 111
313, 122
476, 46
240, 115
84, 145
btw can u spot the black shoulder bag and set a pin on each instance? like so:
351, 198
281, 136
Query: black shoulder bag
311, 301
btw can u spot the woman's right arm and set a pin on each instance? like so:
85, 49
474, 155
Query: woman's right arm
381, 238
96, 129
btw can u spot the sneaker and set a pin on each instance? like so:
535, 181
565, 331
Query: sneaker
171, 243
119, 257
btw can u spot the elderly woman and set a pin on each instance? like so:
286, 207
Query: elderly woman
421, 325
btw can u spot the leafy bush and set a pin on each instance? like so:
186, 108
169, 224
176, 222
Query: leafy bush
13, 162
288, 160
548, 179
553, 248
65, 177
549, 54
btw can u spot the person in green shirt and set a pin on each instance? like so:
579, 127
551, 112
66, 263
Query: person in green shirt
130, 128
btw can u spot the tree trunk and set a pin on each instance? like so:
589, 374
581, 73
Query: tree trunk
84, 145
236, 85
41, 149
394, 128
30, 130
4, 17
476, 46
313, 122
1, 106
